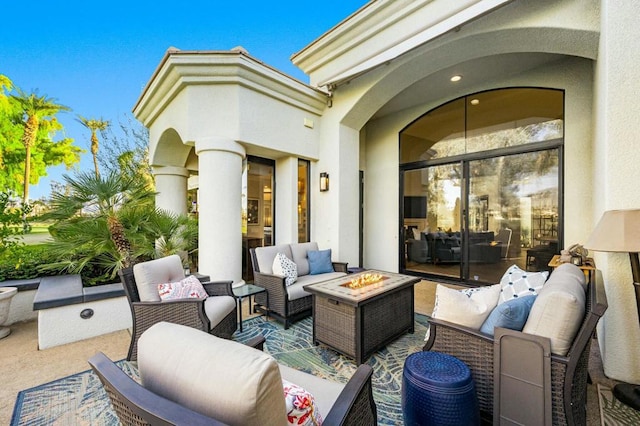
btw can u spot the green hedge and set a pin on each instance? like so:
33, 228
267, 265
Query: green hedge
23, 261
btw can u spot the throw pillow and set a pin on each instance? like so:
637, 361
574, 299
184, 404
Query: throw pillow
188, 288
301, 406
320, 261
469, 307
518, 283
286, 268
511, 314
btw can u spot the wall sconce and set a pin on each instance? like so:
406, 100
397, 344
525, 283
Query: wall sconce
324, 181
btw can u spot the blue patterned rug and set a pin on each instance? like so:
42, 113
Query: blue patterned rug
80, 399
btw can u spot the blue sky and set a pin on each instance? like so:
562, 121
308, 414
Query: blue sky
97, 60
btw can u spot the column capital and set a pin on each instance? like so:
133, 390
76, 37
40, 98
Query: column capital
219, 144
170, 171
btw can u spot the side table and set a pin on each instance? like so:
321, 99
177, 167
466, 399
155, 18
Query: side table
588, 265
246, 290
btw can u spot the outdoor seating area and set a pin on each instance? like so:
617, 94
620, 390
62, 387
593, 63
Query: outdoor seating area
130, 394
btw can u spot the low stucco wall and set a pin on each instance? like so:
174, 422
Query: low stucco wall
60, 325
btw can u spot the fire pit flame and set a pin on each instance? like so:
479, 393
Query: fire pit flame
364, 280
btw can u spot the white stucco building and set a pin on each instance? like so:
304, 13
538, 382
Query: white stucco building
370, 77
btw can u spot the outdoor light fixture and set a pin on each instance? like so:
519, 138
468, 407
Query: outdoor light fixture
619, 231
324, 181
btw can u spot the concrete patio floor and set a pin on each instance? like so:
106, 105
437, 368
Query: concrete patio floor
23, 366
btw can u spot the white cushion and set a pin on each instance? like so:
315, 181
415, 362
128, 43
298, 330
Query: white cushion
265, 256
223, 379
469, 307
149, 274
218, 307
518, 283
559, 309
285, 267
299, 252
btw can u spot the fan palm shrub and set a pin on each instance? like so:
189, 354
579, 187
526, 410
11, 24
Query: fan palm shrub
105, 223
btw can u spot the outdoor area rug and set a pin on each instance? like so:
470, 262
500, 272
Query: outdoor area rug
614, 412
80, 398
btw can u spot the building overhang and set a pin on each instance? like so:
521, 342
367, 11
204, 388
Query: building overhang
179, 69
381, 31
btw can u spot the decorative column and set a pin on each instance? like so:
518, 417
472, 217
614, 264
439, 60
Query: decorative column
220, 209
171, 185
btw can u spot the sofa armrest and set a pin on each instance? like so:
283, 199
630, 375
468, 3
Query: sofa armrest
355, 404
340, 266
218, 288
272, 283
256, 342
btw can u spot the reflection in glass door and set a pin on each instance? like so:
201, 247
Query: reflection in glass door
432, 219
257, 208
507, 197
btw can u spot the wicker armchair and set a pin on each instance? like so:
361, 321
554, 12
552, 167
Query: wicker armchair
190, 312
135, 404
568, 373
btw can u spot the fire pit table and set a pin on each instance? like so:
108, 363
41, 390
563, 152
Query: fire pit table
359, 313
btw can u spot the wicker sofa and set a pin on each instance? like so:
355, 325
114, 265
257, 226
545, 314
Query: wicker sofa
287, 303
223, 383
568, 371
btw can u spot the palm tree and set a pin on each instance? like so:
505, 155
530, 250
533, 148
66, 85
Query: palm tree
34, 108
94, 125
89, 219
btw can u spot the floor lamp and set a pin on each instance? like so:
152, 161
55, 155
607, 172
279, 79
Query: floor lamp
619, 231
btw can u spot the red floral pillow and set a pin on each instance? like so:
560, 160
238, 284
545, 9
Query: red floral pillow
189, 287
301, 406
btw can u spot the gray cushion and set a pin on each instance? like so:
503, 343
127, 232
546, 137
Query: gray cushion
219, 378
559, 308
296, 291
159, 271
265, 256
218, 307
324, 392
299, 252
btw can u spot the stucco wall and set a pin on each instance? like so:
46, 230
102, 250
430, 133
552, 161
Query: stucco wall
617, 185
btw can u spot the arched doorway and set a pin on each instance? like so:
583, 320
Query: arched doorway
480, 185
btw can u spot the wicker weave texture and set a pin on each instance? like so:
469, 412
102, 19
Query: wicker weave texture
124, 413
569, 373
357, 331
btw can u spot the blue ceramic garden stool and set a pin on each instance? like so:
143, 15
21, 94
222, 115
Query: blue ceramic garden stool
437, 389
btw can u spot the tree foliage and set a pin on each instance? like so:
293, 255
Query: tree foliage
94, 124
16, 107
125, 150
106, 223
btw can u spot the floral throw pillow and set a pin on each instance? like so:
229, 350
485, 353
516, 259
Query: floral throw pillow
286, 268
189, 287
301, 406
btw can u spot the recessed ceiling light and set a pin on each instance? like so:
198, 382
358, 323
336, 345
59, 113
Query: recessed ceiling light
456, 78
474, 101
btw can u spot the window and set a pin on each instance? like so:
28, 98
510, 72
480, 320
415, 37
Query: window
481, 184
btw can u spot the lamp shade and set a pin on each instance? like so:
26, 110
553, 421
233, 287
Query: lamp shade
617, 231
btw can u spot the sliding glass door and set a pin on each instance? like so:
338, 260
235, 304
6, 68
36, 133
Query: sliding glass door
481, 185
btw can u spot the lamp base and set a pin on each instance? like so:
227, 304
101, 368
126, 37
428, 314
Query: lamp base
628, 395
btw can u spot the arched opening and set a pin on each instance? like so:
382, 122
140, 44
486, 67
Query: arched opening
480, 185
